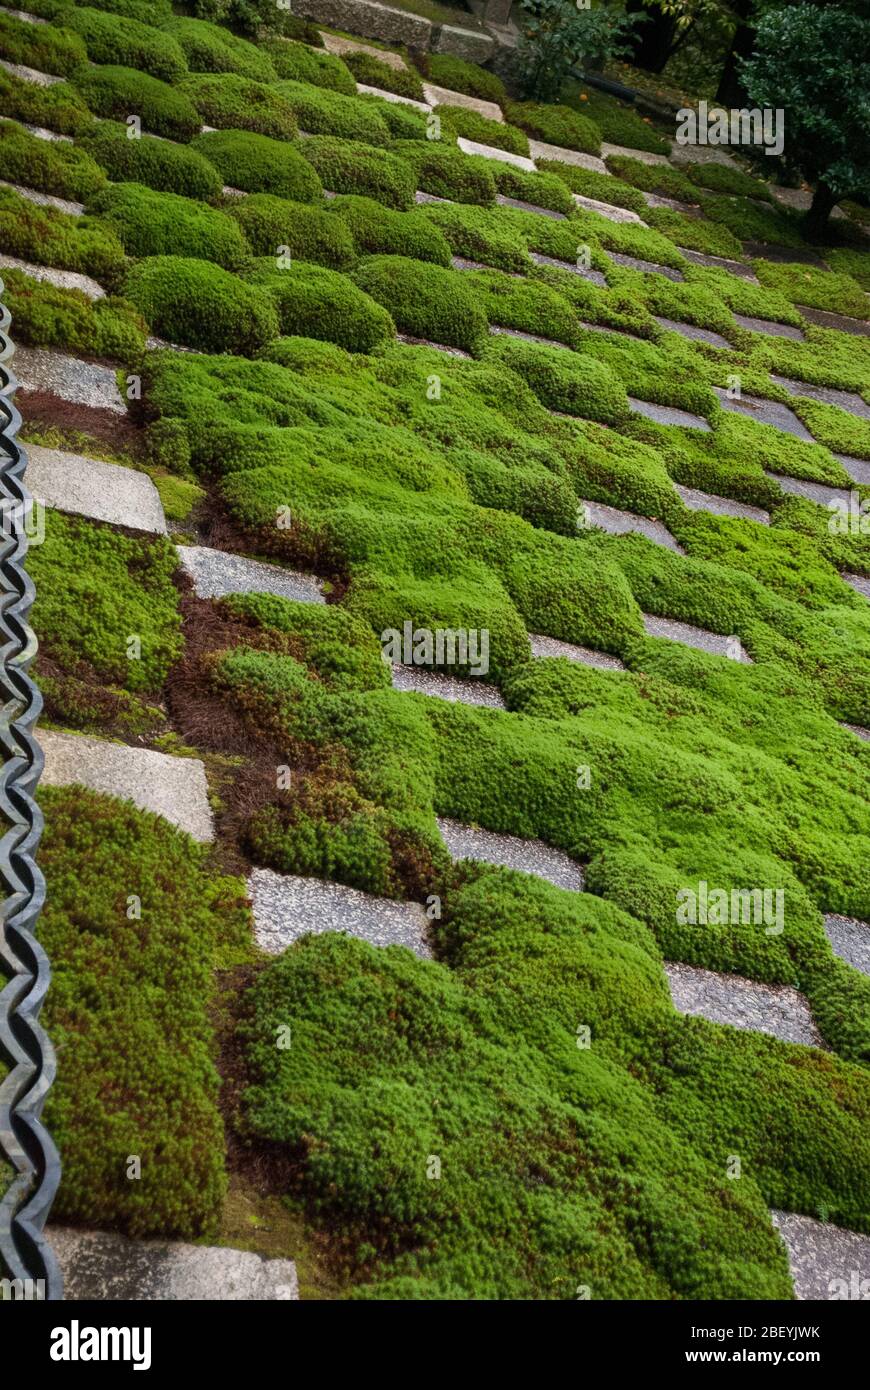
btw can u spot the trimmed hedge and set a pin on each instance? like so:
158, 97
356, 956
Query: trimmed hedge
51, 167
461, 120
346, 166
379, 231
446, 172
121, 92
425, 301
556, 125
49, 237
311, 233
111, 38
163, 224
162, 166
571, 382
67, 320
259, 164
209, 48
372, 72
313, 302
298, 63
230, 102
480, 234
320, 112
201, 306
58, 108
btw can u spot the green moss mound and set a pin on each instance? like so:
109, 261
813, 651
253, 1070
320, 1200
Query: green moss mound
54, 50
63, 170
199, 305
315, 302
299, 63
378, 230
71, 322
309, 233
113, 38
210, 48
164, 224
459, 76
473, 126
555, 125
448, 173
425, 300
59, 108
320, 112
49, 237
348, 166
156, 163
259, 164
118, 92
230, 102
372, 72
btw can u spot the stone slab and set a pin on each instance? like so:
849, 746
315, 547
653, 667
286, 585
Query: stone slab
620, 523
421, 681
419, 197
104, 1266
658, 200
24, 15
698, 637
859, 583
650, 267
858, 731
850, 940
849, 401
52, 136
61, 279
512, 852
775, 1009
692, 331
539, 149
408, 341
39, 79
608, 210
500, 331
765, 412
770, 327
668, 414
504, 201
823, 493
546, 647
595, 277
443, 96
338, 43
643, 156
826, 1261
698, 501
738, 268
471, 45
519, 161
175, 788
45, 200
89, 487
365, 90
216, 573
287, 907
782, 255
69, 378
824, 318
702, 154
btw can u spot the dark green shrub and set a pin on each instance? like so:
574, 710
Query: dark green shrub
49, 237
458, 76
372, 72
446, 172
425, 301
121, 92
58, 108
568, 381
346, 166
320, 112
129, 1013
556, 125
209, 48
380, 231
164, 224
313, 302
472, 126
111, 38
227, 101
52, 167
310, 233
67, 320
157, 163
42, 46
480, 234
299, 63
259, 164
201, 306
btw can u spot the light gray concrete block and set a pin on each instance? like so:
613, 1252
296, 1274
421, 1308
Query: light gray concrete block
88, 487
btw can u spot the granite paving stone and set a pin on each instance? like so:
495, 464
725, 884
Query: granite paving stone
702, 154
103, 1266
698, 501
491, 152
595, 277
61, 279
89, 487
39, 79
691, 330
52, 136
651, 267
668, 414
823, 493
216, 573
364, 90
743, 272
849, 401
766, 412
858, 469
770, 327
643, 156
608, 210
512, 852
698, 637
850, 940
775, 1009
658, 200
287, 907
859, 582
421, 681
69, 378
521, 206
500, 331
438, 347
858, 731
824, 318
826, 1261
174, 788
620, 523
442, 96
545, 647
539, 149
345, 43
45, 200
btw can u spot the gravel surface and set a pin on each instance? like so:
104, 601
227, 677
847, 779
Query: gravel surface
619, 523
216, 573
608, 210
635, 263
702, 154
691, 636
543, 647
858, 469
850, 940
720, 506
441, 96
103, 1265
775, 1009
174, 788
39, 79
439, 347
45, 200
539, 149
859, 583
744, 272
668, 414
823, 493
69, 378
88, 487
287, 907
512, 852
62, 279
644, 156
491, 152
825, 319
365, 90
770, 327
691, 330
766, 412
421, 681
521, 206
821, 1255
847, 400
595, 277
608, 328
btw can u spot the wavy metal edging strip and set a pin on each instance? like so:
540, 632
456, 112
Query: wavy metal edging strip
25, 1049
